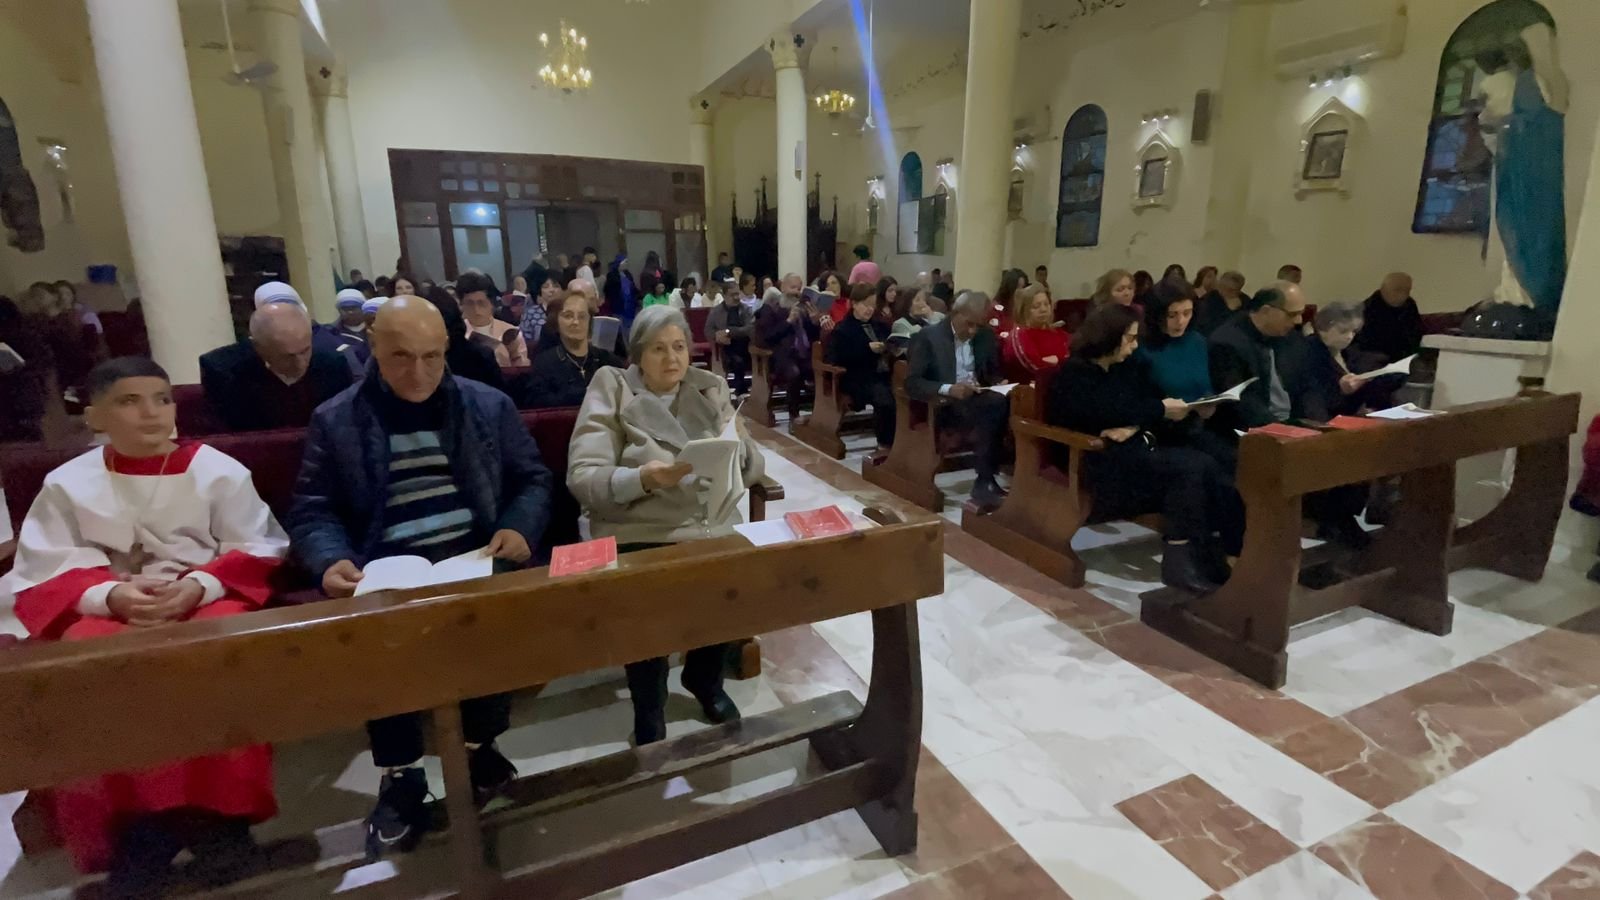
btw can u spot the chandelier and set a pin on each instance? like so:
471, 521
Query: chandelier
835, 103
568, 68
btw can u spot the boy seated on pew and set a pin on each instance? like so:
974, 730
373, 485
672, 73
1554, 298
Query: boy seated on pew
137, 534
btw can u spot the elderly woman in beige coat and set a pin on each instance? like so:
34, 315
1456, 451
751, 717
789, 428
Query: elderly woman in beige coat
623, 468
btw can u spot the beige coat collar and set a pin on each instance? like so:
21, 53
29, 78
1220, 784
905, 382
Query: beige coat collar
692, 415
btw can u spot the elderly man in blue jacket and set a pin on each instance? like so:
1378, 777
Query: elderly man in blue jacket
418, 462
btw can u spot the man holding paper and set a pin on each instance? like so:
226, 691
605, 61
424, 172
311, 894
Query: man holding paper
959, 358
415, 462
659, 456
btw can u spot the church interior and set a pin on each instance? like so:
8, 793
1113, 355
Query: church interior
991, 687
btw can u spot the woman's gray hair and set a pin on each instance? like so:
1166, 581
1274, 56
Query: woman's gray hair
773, 295
1338, 315
651, 321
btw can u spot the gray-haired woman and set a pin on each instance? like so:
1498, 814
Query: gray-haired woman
623, 468
1334, 388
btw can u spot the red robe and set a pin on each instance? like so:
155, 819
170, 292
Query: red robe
1024, 352
199, 517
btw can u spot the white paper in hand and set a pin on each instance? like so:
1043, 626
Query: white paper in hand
1402, 367
1231, 395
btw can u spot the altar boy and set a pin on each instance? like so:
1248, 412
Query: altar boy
140, 533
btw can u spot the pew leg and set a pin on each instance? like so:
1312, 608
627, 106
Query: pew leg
1516, 536
1416, 544
473, 877
889, 729
744, 659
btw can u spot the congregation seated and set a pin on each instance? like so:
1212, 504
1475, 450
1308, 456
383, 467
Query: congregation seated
513, 304
859, 345
561, 375
24, 385
1002, 307
136, 534
550, 338
623, 468
1220, 304
1265, 343
914, 314
1035, 345
275, 379
1115, 286
536, 312
1173, 349
1333, 384
730, 326
830, 298
1392, 323
1103, 391
350, 329
787, 325
469, 355
687, 295
474, 292
956, 359
417, 461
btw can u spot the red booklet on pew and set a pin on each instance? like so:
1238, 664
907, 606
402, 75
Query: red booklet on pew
1354, 423
590, 556
818, 523
1278, 429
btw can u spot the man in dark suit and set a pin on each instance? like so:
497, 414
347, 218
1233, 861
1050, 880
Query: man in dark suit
956, 359
275, 379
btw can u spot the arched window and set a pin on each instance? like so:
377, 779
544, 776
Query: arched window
1083, 178
1453, 197
910, 203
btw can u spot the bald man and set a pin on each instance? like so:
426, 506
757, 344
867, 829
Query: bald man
273, 379
1392, 323
415, 461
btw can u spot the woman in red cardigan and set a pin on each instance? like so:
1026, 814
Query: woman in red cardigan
1035, 344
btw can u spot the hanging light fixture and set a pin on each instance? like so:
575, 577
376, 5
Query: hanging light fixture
835, 102
568, 69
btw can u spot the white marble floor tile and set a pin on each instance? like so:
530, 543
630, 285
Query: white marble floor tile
1522, 812
1563, 593
1355, 657
1089, 853
835, 858
1302, 805
1300, 877
730, 875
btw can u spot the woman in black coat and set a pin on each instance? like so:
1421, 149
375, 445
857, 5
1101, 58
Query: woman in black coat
857, 345
560, 375
1101, 390
1332, 386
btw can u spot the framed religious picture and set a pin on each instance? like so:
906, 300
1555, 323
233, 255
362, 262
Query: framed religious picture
1325, 155
1156, 172
1152, 178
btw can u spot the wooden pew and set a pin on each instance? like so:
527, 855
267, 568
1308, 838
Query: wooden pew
758, 406
1047, 505
428, 649
1403, 575
920, 450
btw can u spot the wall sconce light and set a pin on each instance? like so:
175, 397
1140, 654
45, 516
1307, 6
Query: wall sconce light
947, 172
1158, 117
1331, 77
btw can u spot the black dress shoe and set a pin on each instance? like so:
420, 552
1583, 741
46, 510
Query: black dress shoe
1183, 568
987, 496
491, 773
649, 729
718, 707
1214, 560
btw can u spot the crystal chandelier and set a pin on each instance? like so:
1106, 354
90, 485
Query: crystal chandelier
835, 103
568, 68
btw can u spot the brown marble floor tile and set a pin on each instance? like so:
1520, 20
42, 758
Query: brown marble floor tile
1453, 719
1395, 863
1007, 873
1341, 753
1218, 840
1577, 880
1584, 623
1561, 658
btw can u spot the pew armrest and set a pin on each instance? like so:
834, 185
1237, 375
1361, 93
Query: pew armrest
822, 368
762, 491
1075, 440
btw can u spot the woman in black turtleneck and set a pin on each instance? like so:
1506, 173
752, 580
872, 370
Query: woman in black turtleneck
561, 374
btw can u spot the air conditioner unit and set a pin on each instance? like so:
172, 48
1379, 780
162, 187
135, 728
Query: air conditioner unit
1381, 40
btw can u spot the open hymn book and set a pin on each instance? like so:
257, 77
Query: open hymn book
718, 470
394, 573
1231, 395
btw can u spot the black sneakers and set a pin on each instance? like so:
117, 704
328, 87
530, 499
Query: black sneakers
401, 816
491, 773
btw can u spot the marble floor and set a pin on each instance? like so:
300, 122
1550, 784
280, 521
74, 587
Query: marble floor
1068, 751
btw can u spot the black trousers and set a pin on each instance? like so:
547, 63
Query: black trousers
397, 740
703, 669
1187, 486
987, 414
880, 397
736, 363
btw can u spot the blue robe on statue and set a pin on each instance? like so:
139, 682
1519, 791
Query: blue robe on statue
1530, 195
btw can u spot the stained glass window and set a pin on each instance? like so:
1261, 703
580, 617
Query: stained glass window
1083, 178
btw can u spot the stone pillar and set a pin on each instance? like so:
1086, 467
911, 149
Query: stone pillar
307, 237
161, 176
701, 114
984, 178
339, 146
1237, 117
791, 82
1572, 364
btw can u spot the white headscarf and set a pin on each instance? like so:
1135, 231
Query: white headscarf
277, 292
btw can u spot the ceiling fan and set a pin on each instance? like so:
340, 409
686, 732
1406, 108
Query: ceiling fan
248, 77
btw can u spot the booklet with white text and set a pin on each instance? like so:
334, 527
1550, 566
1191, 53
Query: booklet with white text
1401, 367
393, 573
1231, 395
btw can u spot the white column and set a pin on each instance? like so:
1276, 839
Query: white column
339, 146
307, 237
161, 176
1572, 362
791, 170
701, 115
1240, 114
984, 177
